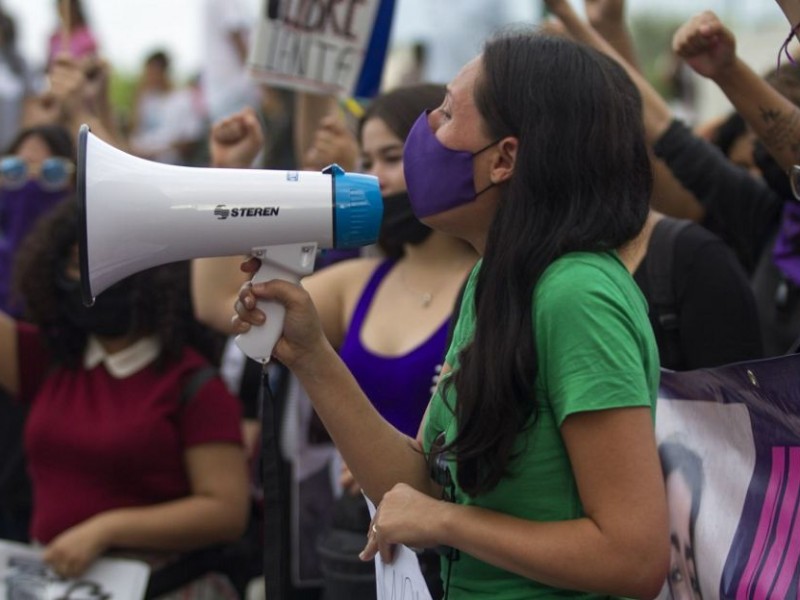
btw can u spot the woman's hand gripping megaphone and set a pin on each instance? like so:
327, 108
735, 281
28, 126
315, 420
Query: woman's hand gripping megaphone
302, 339
235, 142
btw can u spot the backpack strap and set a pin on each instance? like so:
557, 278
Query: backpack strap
663, 295
194, 382
190, 565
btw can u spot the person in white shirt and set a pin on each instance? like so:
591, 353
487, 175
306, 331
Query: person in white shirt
226, 84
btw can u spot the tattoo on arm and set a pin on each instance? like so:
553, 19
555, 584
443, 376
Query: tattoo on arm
781, 131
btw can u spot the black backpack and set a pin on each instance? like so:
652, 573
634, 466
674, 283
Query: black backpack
663, 298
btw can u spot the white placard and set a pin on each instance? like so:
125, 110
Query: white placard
402, 578
311, 46
23, 574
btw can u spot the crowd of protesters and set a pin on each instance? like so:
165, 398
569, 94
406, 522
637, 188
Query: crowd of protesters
534, 271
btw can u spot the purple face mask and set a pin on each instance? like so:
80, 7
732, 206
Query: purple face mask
437, 178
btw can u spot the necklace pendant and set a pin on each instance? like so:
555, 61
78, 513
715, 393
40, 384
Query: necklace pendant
426, 299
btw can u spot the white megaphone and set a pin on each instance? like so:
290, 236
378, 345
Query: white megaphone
136, 214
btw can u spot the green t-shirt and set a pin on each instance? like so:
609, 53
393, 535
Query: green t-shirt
595, 351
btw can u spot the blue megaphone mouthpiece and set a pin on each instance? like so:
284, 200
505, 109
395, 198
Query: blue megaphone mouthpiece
357, 208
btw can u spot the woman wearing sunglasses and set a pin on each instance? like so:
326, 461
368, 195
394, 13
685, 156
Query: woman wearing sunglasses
36, 173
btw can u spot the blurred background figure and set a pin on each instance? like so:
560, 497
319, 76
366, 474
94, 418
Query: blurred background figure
128, 447
73, 35
700, 304
166, 121
226, 28
36, 175
16, 81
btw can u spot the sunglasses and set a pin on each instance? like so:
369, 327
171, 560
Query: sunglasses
52, 174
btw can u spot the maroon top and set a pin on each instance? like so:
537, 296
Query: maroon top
96, 443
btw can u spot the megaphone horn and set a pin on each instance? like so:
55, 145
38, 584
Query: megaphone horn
135, 214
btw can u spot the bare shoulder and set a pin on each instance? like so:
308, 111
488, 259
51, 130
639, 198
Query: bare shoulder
341, 277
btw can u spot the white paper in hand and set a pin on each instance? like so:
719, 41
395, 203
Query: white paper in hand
402, 579
23, 574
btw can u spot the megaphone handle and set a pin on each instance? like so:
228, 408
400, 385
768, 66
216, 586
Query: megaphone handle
260, 340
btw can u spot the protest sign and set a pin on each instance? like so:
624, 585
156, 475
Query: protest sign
333, 47
729, 440
401, 579
23, 574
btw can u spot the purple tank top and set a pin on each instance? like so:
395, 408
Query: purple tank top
398, 386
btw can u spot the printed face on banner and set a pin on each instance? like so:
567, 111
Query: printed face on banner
682, 579
313, 45
729, 444
706, 487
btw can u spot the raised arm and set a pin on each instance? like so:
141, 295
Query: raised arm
78, 94
608, 19
9, 359
669, 196
234, 142
709, 48
333, 142
309, 111
790, 8
656, 112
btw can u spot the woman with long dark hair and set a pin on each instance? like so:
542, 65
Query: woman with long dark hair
540, 433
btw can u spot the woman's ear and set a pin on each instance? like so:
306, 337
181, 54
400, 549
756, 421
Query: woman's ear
504, 160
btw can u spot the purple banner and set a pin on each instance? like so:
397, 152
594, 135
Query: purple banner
729, 440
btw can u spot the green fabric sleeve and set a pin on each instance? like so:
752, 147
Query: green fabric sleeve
590, 341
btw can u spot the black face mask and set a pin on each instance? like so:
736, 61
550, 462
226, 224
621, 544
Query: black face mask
399, 225
110, 316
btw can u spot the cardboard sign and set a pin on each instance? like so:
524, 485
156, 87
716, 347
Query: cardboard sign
23, 574
333, 47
